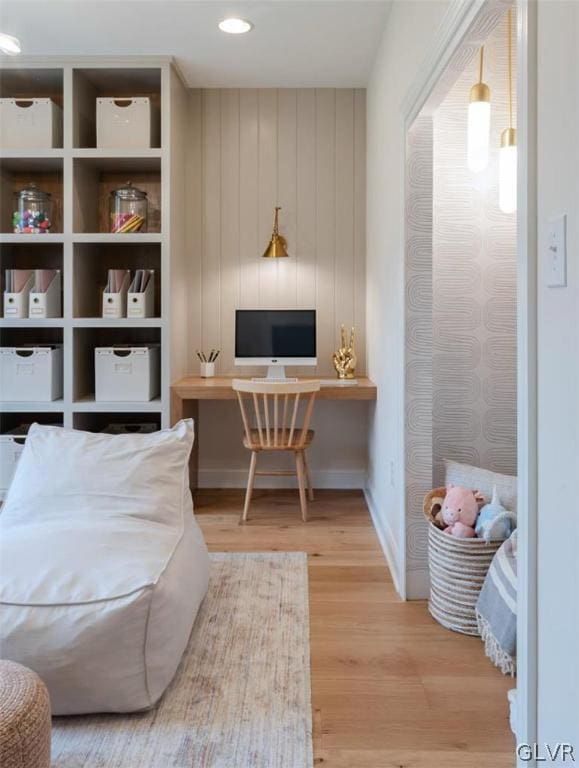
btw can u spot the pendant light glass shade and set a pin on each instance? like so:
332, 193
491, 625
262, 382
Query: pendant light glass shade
508, 171
479, 123
508, 150
479, 126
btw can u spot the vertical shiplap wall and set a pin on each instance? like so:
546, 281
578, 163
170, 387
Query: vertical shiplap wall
303, 149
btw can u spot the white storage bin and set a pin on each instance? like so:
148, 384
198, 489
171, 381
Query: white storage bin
30, 374
11, 446
127, 123
30, 124
126, 374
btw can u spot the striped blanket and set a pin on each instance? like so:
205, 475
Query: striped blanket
496, 609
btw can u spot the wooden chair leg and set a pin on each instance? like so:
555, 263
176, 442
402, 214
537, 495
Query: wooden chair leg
249, 490
302, 484
308, 477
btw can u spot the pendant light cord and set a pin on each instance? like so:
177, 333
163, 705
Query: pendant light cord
480, 70
510, 48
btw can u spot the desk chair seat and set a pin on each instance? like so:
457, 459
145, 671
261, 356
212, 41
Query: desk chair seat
275, 409
298, 442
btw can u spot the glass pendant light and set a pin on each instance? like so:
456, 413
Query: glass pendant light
508, 150
479, 122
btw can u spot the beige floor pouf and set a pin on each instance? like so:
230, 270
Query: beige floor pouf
24, 718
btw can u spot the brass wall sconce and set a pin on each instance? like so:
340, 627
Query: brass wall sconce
277, 247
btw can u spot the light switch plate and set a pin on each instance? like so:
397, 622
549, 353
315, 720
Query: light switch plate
557, 252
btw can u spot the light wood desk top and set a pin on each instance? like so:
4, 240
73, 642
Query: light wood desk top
189, 391
219, 388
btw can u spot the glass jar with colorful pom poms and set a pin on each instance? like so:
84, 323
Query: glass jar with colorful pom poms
32, 211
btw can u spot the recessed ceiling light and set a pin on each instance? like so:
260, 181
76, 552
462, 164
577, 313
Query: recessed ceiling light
235, 26
9, 44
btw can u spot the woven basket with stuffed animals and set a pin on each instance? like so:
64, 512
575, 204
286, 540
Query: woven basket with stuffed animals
464, 533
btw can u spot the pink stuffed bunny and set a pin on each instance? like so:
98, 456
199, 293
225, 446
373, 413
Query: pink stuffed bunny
460, 510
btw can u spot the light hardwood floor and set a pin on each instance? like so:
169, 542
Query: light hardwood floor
390, 687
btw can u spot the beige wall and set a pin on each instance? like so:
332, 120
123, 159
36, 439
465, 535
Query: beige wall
305, 150
410, 29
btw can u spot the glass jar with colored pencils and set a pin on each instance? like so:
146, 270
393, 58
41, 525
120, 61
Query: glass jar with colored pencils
128, 207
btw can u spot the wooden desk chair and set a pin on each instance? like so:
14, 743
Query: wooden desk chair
275, 411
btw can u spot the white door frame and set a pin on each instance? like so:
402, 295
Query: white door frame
527, 630
454, 27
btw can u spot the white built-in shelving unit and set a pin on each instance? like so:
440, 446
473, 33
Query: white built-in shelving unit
80, 178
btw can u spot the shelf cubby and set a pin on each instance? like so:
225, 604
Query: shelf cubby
25, 255
97, 422
91, 263
12, 420
31, 256
113, 82
32, 83
85, 341
96, 177
16, 173
17, 336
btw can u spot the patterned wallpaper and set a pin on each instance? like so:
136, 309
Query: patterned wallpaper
474, 285
418, 347
460, 277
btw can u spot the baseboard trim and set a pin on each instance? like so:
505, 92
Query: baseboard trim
386, 539
322, 479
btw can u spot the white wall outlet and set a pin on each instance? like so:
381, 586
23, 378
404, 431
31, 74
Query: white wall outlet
557, 252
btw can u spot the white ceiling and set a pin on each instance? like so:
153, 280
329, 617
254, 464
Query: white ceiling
299, 43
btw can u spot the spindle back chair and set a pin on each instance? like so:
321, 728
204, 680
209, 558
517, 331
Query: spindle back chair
270, 413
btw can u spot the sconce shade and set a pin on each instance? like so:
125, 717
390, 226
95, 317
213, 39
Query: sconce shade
277, 246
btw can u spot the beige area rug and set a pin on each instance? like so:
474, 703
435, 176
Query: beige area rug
241, 696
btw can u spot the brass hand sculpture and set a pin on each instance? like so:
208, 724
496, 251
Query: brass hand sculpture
345, 357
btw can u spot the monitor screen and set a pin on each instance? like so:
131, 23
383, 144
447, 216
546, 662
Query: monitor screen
275, 333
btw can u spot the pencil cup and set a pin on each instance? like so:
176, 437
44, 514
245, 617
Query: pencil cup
207, 370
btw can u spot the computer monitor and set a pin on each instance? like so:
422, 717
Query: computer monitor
276, 338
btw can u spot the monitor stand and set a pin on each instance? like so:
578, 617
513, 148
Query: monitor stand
275, 375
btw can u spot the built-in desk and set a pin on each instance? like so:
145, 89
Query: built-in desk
187, 392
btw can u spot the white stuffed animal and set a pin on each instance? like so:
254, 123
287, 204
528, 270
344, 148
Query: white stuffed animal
495, 523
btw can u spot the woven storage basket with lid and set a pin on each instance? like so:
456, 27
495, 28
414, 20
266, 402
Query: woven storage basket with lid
457, 571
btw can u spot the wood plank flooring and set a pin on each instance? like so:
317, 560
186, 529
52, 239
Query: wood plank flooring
390, 687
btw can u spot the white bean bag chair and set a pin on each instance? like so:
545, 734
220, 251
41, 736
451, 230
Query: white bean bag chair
102, 565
